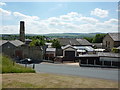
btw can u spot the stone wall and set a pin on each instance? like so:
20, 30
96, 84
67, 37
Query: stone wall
8, 49
35, 53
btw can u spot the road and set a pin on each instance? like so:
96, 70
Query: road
103, 73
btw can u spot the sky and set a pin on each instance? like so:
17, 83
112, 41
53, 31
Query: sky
59, 17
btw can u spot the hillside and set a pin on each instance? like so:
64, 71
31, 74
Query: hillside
52, 35
7, 66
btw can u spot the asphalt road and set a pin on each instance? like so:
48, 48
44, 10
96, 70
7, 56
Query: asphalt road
103, 73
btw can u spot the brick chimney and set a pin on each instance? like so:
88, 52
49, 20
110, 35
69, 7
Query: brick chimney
22, 31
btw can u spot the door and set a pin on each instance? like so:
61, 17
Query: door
69, 53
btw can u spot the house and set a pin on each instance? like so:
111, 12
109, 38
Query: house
35, 53
50, 53
28, 41
102, 59
69, 53
82, 45
8, 47
111, 40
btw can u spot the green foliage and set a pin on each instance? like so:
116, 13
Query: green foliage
8, 67
90, 39
98, 38
37, 42
56, 44
115, 50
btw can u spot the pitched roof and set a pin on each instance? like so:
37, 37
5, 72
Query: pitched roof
73, 41
2, 42
66, 41
115, 36
16, 42
68, 46
83, 42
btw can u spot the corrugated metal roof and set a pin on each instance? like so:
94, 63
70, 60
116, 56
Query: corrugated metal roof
88, 48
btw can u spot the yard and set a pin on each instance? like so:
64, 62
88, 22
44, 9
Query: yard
44, 80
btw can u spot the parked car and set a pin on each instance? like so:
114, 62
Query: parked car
26, 61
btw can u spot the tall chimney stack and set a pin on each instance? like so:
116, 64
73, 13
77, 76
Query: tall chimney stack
22, 31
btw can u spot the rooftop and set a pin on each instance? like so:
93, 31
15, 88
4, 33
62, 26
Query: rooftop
51, 49
115, 36
73, 41
14, 42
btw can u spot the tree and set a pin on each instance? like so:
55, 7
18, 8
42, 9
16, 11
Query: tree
98, 38
37, 42
56, 44
90, 39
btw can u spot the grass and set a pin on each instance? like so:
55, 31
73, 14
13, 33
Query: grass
7, 66
44, 80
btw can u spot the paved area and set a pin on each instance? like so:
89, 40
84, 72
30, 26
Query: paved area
67, 69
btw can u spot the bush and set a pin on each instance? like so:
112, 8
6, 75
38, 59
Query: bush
115, 50
8, 67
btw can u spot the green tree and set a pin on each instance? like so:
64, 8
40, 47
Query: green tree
56, 44
98, 38
90, 39
37, 42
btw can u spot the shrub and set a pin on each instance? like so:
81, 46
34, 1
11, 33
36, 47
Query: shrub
115, 50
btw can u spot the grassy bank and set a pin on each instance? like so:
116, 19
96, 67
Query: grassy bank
7, 66
44, 80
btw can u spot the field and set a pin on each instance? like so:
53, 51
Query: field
43, 80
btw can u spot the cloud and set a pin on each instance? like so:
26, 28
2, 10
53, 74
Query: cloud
9, 29
2, 4
100, 13
112, 21
4, 12
20, 15
72, 22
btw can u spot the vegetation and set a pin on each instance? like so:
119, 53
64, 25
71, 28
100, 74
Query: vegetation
37, 42
98, 38
91, 37
56, 44
115, 50
9, 67
44, 80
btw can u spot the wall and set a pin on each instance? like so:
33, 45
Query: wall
8, 49
109, 40
69, 49
35, 53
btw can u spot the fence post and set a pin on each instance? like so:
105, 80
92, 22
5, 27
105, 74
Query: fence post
33, 65
25, 65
